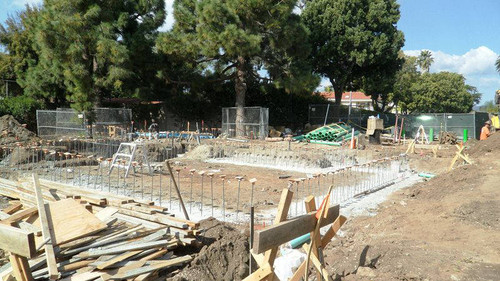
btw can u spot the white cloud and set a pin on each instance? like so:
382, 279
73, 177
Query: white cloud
477, 66
169, 20
476, 61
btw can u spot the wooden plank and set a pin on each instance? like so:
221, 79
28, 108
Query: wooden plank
332, 231
85, 276
129, 266
157, 266
117, 259
17, 241
6, 270
47, 231
20, 268
310, 203
260, 273
78, 242
283, 207
72, 221
121, 257
75, 265
64, 266
21, 215
140, 209
317, 264
151, 256
179, 196
140, 246
26, 226
134, 220
315, 236
158, 218
14, 207
283, 232
337, 224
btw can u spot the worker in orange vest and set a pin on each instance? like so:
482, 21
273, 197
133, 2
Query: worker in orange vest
485, 131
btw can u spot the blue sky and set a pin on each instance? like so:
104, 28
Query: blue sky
463, 35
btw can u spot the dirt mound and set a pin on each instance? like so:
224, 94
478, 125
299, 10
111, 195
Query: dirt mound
224, 256
443, 229
479, 148
11, 130
480, 213
201, 152
460, 178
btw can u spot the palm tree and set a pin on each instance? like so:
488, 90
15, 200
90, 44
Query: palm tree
497, 64
425, 60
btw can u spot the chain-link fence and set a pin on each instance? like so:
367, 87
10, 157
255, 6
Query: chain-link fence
446, 122
320, 114
61, 122
254, 125
109, 122
112, 121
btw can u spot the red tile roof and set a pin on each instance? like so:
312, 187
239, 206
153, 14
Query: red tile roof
345, 96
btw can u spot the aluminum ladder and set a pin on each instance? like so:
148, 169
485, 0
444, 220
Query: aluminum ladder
127, 152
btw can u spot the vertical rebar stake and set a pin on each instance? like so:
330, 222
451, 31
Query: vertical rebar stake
201, 173
211, 176
178, 171
159, 192
223, 177
238, 199
191, 186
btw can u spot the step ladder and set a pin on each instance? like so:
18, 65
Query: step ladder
127, 153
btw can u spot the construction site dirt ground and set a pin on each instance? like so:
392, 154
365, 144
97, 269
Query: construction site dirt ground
447, 228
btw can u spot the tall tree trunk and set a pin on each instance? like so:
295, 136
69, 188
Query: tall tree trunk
338, 90
97, 100
240, 86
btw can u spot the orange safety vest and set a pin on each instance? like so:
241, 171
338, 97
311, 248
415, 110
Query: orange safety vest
485, 132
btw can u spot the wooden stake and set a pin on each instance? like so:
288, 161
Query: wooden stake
20, 268
177, 190
47, 232
316, 230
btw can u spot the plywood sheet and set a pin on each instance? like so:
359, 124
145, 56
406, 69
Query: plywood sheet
71, 221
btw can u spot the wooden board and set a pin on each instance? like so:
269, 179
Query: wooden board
21, 215
17, 241
20, 268
47, 231
14, 207
71, 221
284, 206
285, 231
126, 274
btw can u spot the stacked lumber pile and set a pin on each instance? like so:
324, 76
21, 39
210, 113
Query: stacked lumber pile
447, 138
333, 134
53, 231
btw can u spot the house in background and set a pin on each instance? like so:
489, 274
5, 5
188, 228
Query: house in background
359, 99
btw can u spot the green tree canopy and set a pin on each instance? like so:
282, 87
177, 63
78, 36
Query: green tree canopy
353, 39
489, 107
240, 41
439, 92
91, 44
